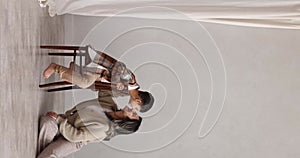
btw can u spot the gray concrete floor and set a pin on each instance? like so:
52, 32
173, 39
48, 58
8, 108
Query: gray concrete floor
24, 26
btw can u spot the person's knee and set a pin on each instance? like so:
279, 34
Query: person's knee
47, 122
48, 155
86, 82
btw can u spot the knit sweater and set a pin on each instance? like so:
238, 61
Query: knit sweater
86, 122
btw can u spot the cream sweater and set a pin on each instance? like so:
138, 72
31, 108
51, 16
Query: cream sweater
86, 122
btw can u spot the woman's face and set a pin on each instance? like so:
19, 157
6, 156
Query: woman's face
130, 113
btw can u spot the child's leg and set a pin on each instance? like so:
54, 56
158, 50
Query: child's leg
49, 70
60, 148
91, 70
86, 69
83, 81
48, 129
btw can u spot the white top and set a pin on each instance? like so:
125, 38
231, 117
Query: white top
93, 54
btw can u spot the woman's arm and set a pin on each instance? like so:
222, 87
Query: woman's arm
91, 132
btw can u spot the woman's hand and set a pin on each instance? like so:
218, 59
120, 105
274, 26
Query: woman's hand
52, 115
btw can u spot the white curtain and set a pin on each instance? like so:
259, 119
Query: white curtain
271, 14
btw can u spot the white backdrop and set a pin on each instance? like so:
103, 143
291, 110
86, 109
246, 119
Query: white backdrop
271, 14
260, 117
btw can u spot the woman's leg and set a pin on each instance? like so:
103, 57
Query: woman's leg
48, 129
60, 148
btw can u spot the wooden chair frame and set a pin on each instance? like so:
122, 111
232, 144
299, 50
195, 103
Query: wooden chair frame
81, 51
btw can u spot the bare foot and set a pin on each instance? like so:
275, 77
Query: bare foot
50, 70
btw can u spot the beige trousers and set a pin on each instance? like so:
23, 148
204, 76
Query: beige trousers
50, 143
84, 80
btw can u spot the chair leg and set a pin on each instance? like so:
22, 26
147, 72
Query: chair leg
60, 83
63, 88
63, 54
62, 47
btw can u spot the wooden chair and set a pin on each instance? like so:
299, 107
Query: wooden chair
76, 51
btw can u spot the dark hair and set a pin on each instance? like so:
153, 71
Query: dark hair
128, 126
147, 101
122, 126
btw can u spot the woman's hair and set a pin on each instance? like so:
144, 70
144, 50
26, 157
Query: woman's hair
124, 126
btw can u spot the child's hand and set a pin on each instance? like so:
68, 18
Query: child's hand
120, 86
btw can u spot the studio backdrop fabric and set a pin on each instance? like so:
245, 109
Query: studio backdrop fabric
270, 14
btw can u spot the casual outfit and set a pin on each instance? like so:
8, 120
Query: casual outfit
85, 123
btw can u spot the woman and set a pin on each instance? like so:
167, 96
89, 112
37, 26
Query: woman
88, 122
